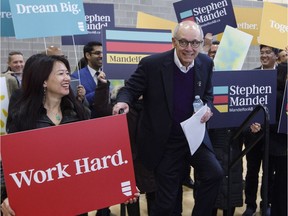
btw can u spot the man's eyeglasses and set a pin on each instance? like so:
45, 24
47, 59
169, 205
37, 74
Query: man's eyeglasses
184, 43
96, 53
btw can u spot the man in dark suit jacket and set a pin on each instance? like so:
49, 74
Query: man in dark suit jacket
169, 82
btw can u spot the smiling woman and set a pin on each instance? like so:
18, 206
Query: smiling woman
45, 99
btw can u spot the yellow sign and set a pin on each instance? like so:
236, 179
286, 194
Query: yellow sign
249, 21
4, 101
274, 26
124, 58
152, 22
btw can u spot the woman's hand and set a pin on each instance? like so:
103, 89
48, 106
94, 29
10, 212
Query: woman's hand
6, 209
135, 198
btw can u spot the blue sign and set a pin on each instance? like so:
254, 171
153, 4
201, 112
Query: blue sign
7, 29
43, 18
97, 16
211, 15
237, 93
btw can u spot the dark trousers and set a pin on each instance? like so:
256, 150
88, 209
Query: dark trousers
103, 212
225, 212
279, 197
170, 173
254, 159
134, 209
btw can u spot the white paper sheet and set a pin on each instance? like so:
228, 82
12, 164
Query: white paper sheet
194, 130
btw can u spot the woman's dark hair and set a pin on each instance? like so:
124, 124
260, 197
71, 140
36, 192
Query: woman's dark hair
27, 109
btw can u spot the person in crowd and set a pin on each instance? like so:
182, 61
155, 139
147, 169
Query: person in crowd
283, 56
51, 99
278, 150
164, 80
15, 65
213, 49
80, 95
268, 59
81, 64
13, 74
88, 75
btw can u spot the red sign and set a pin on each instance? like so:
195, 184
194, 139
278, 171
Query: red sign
69, 169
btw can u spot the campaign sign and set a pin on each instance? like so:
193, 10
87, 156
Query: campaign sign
7, 29
43, 18
211, 15
249, 20
153, 22
282, 127
237, 93
123, 48
97, 16
274, 22
4, 101
232, 50
69, 169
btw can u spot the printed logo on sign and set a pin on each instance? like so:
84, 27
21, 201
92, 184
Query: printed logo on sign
187, 15
221, 98
126, 188
81, 26
237, 98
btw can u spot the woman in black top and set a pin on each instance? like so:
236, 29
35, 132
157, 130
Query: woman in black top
45, 100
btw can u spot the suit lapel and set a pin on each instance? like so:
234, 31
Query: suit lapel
167, 76
89, 80
197, 77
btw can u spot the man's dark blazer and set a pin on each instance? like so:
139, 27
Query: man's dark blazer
154, 80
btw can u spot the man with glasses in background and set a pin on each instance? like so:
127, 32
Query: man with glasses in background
169, 82
88, 75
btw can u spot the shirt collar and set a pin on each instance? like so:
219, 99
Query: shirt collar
179, 64
92, 72
275, 66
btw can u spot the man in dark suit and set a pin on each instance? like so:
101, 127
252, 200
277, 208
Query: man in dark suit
169, 82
